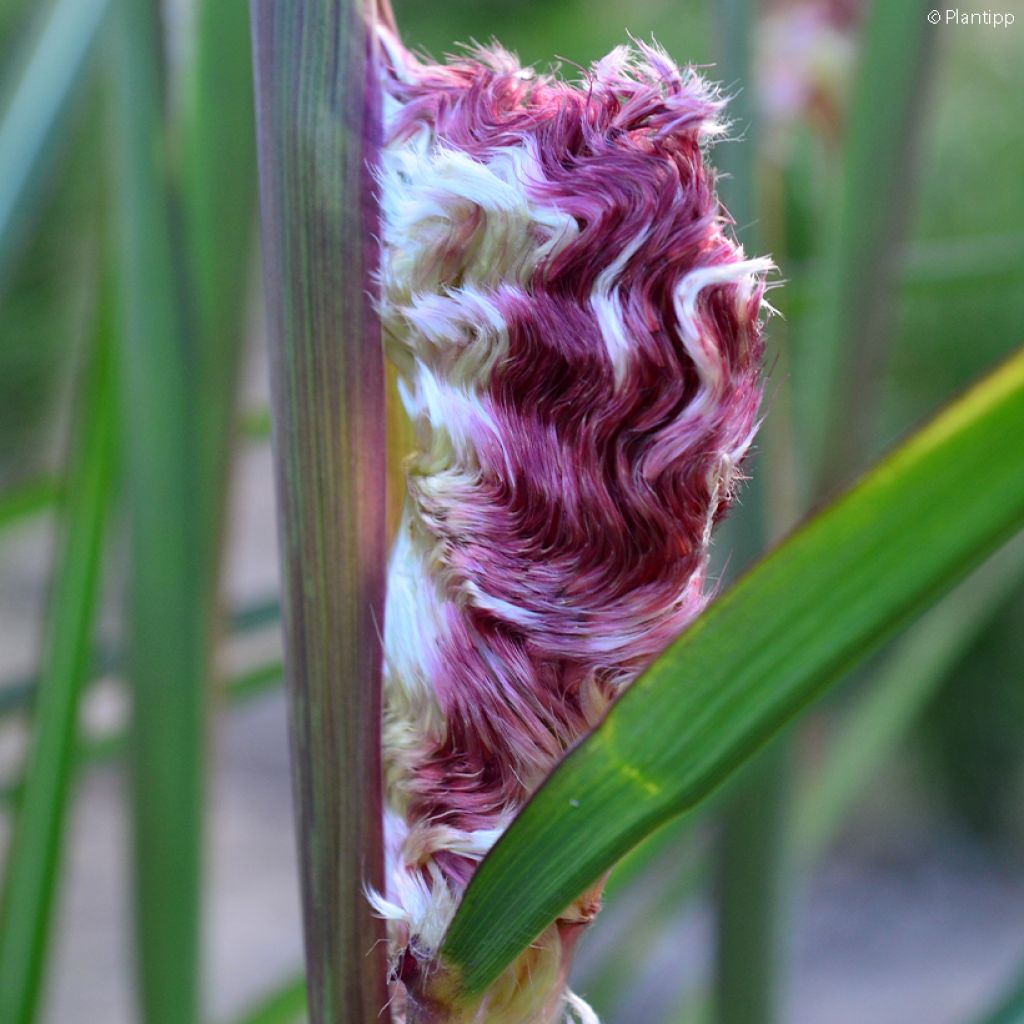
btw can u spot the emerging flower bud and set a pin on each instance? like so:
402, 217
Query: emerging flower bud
579, 347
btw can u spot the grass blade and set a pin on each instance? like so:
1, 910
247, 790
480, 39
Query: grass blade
835, 402
220, 199
317, 123
838, 586
241, 689
168, 578
36, 109
753, 878
903, 683
17, 693
753, 891
33, 865
900, 689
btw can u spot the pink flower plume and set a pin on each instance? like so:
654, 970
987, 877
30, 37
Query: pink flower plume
579, 344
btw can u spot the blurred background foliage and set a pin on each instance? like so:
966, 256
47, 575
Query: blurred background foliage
933, 757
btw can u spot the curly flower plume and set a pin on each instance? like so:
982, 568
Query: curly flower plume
579, 346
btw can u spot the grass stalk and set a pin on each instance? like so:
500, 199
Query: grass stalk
28, 500
841, 350
249, 618
220, 199
33, 865
239, 690
317, 127
754, 909
752, 883
752, 892
899, 690
168, 600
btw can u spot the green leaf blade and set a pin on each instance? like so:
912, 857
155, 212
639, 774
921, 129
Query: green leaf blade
897, 695
170, 578
220, 201
759, 655
33, 866
37, 107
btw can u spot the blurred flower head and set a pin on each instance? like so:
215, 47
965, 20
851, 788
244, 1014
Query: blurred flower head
804, 57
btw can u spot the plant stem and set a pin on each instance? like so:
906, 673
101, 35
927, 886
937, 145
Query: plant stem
753, 860
753, 891
842, 351
220, 200
755, 916
169, 577
317, 123
33, 866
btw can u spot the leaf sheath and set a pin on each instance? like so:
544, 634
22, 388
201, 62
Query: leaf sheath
317, 130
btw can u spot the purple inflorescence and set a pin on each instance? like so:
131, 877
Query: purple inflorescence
579, 347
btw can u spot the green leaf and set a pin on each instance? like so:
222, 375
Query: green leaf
896, 695
870, 731
169, 574
255, 682
35, 110
220, 202
751, 896
756, 658
30, 881
244, 687
317, 130
866, 738
249, 618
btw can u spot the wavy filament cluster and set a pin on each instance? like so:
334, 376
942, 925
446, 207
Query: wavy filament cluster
578, 343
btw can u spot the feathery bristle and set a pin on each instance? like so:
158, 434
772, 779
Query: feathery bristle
579, 346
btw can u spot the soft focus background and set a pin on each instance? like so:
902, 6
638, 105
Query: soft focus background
899, 804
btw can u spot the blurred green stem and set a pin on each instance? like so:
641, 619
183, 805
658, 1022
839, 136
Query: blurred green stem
753, 891
168, 591
842, 351
33, 864
25, 501
753, 903
220, 201
895, 696
241, 689
752, 879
